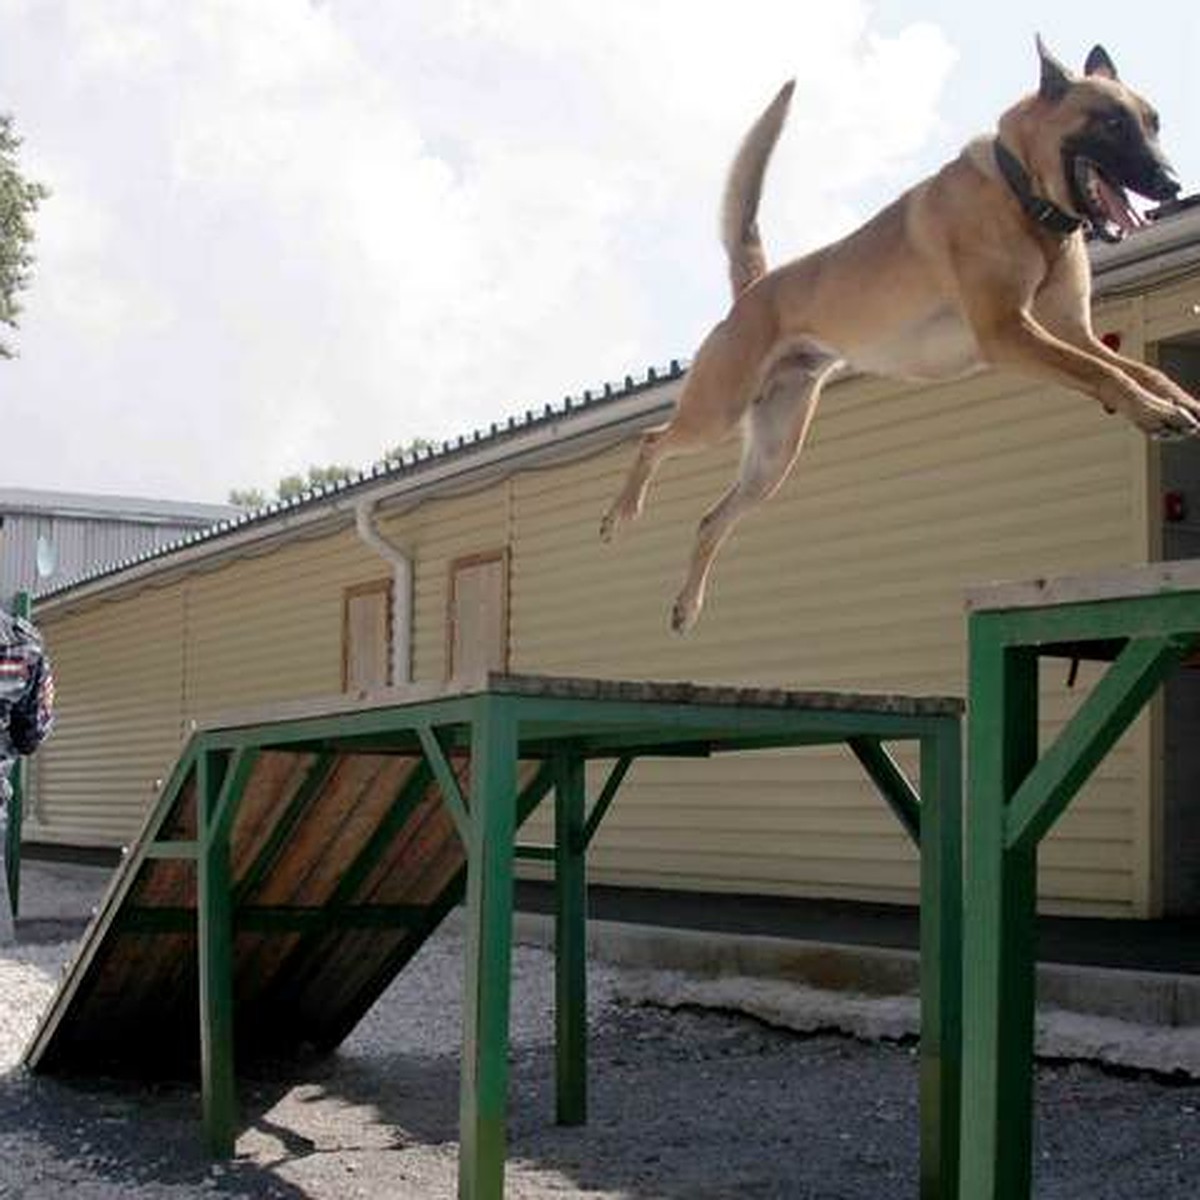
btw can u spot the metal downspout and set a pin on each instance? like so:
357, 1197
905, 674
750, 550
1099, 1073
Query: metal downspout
402, 585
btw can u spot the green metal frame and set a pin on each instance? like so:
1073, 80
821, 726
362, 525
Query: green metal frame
1014, 797
498, 730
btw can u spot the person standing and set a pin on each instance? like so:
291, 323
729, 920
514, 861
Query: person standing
26, 715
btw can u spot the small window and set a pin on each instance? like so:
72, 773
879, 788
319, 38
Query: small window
367, 637
45, 557
477, 620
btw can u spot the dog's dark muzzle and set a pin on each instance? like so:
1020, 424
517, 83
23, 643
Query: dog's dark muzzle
1160, 184
1150, 173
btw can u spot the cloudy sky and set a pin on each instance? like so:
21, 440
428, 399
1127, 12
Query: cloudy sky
286, 232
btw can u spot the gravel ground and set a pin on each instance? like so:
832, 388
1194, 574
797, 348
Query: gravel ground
685, 1105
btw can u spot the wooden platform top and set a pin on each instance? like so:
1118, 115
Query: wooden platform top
567, 688
1124, 583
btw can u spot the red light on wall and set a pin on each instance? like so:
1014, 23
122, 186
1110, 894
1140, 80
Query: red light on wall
1174, 507
1112, 340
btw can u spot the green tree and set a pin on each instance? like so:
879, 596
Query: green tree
247, 497
19, 199
410, 447
291, 486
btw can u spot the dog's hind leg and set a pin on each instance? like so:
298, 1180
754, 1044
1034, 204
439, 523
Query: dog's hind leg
773, 432
656, 444
707, 414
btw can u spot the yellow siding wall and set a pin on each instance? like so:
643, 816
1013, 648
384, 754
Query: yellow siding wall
1170, 311
270, 628
119, 675
133, 673
852, 577
437, 534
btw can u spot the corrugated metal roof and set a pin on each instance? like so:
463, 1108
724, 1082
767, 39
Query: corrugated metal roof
384, 472
83, 505
1165, 249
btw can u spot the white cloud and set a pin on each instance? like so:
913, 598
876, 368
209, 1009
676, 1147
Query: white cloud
305, 232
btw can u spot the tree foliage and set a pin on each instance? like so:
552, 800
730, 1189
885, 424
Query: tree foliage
19, 199
291, 486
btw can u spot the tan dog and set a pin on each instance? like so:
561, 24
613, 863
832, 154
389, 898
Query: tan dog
982, 264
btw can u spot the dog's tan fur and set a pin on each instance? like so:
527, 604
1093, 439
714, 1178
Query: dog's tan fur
951, 277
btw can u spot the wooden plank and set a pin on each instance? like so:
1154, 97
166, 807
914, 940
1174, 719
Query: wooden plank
649, 692
570, 687
1148, 580
335, 827
278, 776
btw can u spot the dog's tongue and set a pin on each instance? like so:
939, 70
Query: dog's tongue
1117, 206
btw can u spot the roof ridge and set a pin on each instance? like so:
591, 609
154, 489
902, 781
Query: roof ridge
382, 469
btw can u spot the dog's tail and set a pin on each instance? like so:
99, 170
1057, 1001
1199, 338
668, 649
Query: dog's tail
739, 209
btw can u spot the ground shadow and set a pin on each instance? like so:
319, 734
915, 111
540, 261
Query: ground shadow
683, 1105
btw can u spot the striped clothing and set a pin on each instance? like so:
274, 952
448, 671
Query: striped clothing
26, 694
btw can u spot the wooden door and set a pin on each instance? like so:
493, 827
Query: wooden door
367, 637
477, 622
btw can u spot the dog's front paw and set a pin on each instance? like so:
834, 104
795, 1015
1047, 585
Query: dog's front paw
1182, 423
1189, 405
1167, 420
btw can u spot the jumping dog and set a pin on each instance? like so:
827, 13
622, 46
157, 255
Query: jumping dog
982, 264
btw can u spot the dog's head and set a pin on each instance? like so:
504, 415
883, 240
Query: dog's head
1105, 139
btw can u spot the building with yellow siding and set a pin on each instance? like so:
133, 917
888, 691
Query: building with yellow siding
486, 552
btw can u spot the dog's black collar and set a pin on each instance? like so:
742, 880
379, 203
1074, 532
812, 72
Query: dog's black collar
1045, 212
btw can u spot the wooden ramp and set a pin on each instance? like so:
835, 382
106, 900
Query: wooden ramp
342, 864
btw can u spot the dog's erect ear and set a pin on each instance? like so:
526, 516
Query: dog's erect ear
1056, 79
1098, 63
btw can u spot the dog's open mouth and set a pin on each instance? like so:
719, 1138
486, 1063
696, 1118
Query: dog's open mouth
1105, 202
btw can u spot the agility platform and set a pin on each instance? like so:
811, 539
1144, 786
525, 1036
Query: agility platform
1145, 622
298, 857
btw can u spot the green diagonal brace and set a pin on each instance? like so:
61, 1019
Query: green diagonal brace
534, 792
236, 777
1102, 718
214, 939
442, 772
891, 781
604, 801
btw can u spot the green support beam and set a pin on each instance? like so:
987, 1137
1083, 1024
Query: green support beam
939, 836
1000, 910
570, 939
215, 945
1015, 795
491, 834
174, 850
278, 918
